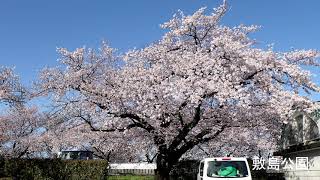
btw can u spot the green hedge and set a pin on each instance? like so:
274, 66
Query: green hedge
53, 169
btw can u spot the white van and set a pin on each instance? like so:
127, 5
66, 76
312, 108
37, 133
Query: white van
226, 168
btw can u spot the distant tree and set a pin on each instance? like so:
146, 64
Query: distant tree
19, 131
11, 91
18, 122
203, 87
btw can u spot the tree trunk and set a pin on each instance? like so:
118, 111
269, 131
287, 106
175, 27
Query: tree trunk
166, 160
163, 168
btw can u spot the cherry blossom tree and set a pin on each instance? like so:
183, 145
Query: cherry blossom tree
18, 122
19, 133
203, 87
11, 91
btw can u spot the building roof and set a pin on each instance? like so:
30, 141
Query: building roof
307, 146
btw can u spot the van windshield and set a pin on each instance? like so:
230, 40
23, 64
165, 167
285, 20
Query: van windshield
227, 169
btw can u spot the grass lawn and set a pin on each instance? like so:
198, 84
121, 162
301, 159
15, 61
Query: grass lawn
131, 177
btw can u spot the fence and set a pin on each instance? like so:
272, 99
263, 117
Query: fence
132, 168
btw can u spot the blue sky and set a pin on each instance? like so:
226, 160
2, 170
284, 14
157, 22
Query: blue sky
31, 30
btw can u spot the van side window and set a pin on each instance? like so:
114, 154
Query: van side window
201, 168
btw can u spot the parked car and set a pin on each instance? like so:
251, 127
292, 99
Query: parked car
226, 168
75, 155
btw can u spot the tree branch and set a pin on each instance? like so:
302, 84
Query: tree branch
186, 129
199, 138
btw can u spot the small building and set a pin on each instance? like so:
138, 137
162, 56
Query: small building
76, 155
301, 140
